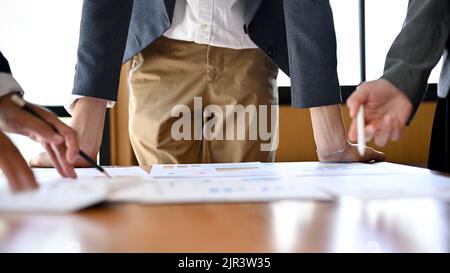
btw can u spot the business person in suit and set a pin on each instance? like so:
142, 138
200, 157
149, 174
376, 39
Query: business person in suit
391, 101
62, 146
225, 52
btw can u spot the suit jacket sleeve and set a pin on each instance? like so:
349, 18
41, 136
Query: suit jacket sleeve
103, 36
312, 53
7, 83
4, 65
418, 47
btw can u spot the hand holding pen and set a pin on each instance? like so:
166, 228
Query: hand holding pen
62, 144
60, 141
33, 111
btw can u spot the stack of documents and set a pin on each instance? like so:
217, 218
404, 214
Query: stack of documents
242, 182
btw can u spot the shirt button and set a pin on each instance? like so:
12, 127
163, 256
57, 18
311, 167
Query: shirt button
203, 26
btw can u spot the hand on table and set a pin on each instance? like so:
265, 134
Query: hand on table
350, 154
88, 118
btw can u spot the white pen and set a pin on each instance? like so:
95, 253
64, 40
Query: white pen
360, 129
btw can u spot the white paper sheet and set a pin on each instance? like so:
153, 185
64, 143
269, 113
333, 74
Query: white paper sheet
57, 195
387, 186
368, 181
209, 170
216, 190
43, 174
253, 182
301, 169
62, 195
303, 180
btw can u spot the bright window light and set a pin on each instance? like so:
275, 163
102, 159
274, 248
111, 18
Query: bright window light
346, 20
384, 19
40, 40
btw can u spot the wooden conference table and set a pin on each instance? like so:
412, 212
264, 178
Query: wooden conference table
349, 225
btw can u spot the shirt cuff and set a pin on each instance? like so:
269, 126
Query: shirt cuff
73, 98
9, 85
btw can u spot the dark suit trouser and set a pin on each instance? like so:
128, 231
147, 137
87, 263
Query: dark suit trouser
440, 139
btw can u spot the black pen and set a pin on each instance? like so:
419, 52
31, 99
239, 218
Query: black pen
23, 104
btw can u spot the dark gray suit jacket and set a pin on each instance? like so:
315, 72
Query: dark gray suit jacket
298, 35
419, 47
4, 65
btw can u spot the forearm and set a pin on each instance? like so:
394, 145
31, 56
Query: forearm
88, 119
328, 128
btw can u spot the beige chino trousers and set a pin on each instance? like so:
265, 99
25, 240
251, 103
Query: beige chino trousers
171, 73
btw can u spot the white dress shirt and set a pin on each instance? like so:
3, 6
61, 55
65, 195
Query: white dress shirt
211, 22
8, 84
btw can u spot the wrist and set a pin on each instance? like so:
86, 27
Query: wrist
89, 102
328, 128
331, 156
88, 120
